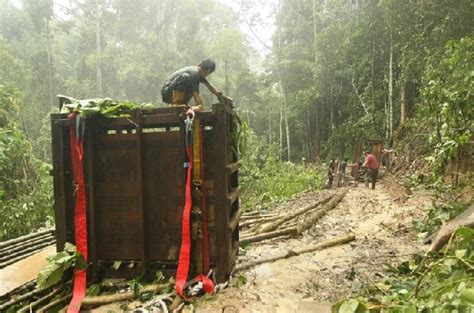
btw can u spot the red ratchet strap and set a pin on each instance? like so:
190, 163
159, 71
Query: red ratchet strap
80, 218
185, 251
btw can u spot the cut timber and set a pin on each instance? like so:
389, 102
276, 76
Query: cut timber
442, 235
319, 246
321, 212
21, 298
295, 231
274, 225
40, 301
54, 303
257, 220
278, 233
26, 237
105, 299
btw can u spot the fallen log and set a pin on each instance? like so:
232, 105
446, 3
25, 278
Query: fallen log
274, 225
23, 238
321, 212
296, 231
278, 233
257, 215
21, 298
257, 220
54, 303
27, 242
19, 290
31, 306
442, 235
10, 254
117, 297
319, 246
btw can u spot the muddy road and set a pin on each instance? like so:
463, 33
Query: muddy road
381, 219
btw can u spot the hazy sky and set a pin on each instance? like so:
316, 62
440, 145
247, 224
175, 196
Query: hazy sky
259, 35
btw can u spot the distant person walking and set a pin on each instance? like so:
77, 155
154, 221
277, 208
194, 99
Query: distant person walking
331, 169
183, 84
341, 173
372, 169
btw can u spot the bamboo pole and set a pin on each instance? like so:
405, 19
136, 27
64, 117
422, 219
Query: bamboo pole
21, 298
31, 306
290, 253
320, 213
22, 238
278, 233
105, 299
21, 244
274, 225
248, 222
10, 254
54, 303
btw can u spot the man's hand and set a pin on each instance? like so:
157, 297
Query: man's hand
199, 108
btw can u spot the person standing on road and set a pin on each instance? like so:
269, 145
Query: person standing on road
341, 173
331, 169
372, 167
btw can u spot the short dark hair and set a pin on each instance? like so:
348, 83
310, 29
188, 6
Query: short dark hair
208, 65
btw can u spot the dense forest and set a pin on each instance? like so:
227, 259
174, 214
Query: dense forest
335, 72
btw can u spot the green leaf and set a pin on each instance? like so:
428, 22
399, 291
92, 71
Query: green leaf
467, 295
159, 276
351, 306
50, 275
93, 290
116, 265
69, 247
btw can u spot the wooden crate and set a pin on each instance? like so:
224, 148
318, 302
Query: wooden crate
135, 181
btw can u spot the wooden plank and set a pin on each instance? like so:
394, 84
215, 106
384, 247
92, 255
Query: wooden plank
91, 209
139, 164
233, 195
233, 167
164, 182
57, 140
234, 221
220, 194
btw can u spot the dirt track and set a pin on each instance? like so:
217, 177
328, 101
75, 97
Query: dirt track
382, 222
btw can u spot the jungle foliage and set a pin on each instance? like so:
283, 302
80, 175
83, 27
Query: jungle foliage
438, 282
25, 184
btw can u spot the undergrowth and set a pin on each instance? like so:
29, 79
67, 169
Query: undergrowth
267, 180
436, 282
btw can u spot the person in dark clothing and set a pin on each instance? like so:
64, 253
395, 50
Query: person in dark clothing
331, 170
372, 169
183, 84
341, 173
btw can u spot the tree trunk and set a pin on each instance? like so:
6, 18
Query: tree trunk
50, 65
403, 104
280, 3
287, 131
390, 91
273, 225
315, 141
290, 253
317, 135
281, 122
98, 41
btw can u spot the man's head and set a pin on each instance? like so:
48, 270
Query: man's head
206, 67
